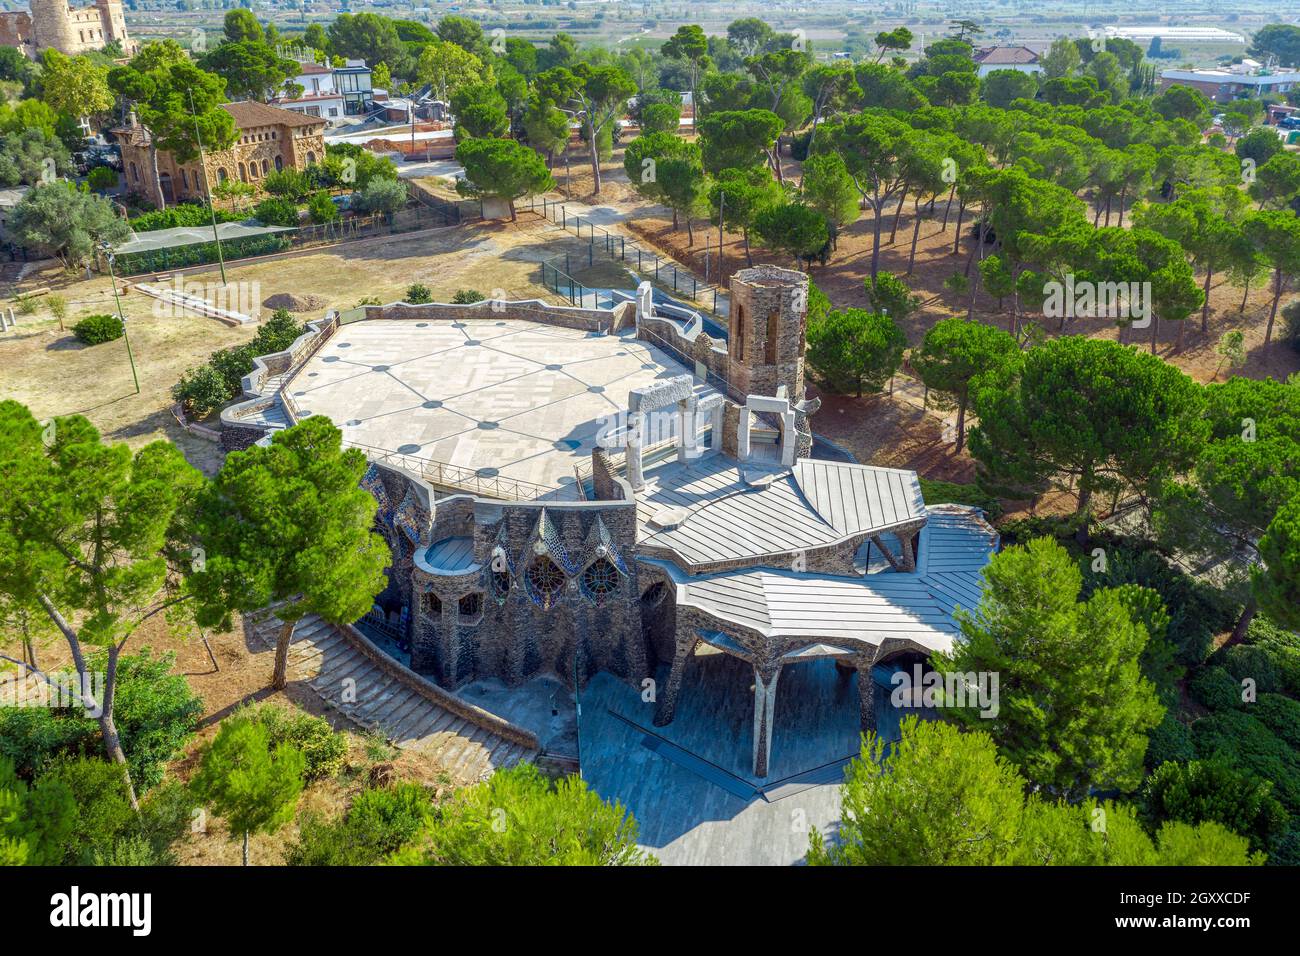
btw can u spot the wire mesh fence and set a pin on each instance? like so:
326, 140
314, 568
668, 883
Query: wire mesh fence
654, 266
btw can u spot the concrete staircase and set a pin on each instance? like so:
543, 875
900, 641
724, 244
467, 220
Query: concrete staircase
347, 680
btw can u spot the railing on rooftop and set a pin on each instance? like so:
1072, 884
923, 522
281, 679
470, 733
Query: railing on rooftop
456, 477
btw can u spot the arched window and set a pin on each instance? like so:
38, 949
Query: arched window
185, 179
222, 175
135, 173
279, 164
311, 157
430, 604
266, 167
469, 609
600, 579
546, 580
654, 594
243, 173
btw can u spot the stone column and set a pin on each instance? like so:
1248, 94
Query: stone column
644, 302
909, 553
866, 691
635, 425
764, 704
687, 428
667, 707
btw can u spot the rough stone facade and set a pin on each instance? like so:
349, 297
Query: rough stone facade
766, 330
54, 25
269, 139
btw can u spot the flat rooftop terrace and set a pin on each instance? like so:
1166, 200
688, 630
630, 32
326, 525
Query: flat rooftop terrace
503, 398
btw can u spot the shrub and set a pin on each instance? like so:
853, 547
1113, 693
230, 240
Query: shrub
379, 196
1245, 662
181, 214
1171, 739
467, 296
1196, 610
58, 307
1291, 325
290, 184
155, 711
379, 822
276, 212
1216, 689
1208, 790
323, 749
202, 391
891, 296
1242, 741
321, 208
1280, 715
232, 364
1283, 649
276, 334
26, 304
101, 178
418, 294
95, 329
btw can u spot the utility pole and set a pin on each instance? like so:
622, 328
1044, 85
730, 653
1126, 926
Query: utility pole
198, 137
722, 205
108, 254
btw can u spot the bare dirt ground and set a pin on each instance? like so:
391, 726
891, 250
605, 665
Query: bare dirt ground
53, 374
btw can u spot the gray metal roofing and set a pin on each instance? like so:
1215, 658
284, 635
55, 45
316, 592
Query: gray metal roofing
817, 503
450, 556
916, 605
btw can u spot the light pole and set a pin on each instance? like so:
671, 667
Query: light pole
108, 254
221, 260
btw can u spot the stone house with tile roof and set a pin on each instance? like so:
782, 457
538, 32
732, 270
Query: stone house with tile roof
269, 139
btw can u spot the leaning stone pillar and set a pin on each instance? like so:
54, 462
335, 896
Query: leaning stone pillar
635, 427
764, 705
667, 707
908, 560
866, 692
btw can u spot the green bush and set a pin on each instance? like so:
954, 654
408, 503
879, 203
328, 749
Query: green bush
155, 712
1171, 739
1215, 688
106, 831
1280, 715
1246, 743
1291, 325
321, 208
101, 178
202, 390
379, 822
418, 294
323, 748
1208, 790
276, 212
1283, 649
182, 214
467, 296
95, 329
1245, 662
290, 184
1196, 610
199, 253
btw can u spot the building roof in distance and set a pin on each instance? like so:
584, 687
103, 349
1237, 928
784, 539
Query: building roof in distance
1006, 56
248, 115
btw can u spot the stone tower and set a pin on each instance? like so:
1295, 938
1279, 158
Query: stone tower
51, 26
766, 340
766, 329
113, 18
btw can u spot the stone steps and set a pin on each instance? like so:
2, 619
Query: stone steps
369, 696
